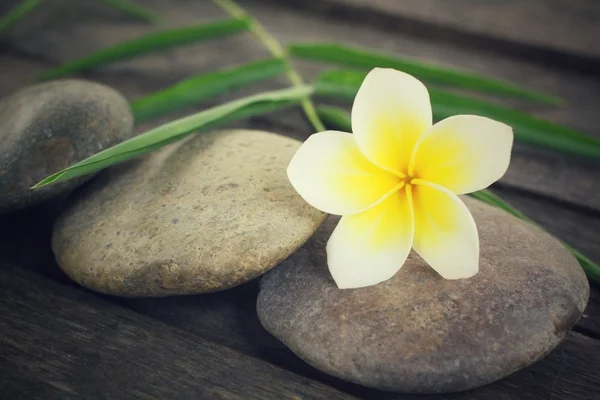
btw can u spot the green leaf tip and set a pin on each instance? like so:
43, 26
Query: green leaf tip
149, 43
16, 13
160, 136
364, 58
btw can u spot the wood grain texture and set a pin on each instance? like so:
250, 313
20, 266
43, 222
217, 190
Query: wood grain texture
563, 29
70, 35
59, 342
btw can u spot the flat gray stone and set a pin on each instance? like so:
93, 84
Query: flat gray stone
420, 333
47, 127
201, 215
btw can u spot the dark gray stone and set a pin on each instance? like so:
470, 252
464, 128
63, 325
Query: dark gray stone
201, 215
420, 333
47, 127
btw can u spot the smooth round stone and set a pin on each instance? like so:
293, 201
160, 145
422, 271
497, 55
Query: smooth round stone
47, 127
201, 215
420, 333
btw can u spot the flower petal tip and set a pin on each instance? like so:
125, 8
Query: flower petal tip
344, 283
461, 274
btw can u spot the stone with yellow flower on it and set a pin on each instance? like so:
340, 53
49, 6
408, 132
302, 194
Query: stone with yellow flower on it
418, 332
395, 181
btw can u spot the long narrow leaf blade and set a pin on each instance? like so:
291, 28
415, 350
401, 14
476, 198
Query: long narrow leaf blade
196, 89
530, 130
364, 58
17, 13
168, 133
147, 44
133, 9
337, 118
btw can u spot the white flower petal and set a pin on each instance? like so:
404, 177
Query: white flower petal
332, 175
390, 112
370, 247
464, 153
445, 233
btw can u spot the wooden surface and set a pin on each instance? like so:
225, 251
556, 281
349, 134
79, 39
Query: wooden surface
559, 32
58, 340
557, 24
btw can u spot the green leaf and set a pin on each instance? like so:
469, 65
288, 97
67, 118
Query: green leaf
133, 9
364, 58
337, 118
17, 12
196, 89
254, 105
533, 131
147, 44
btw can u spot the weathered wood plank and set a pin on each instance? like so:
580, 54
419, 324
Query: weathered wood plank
59, 342
229, 318
563, 29
74, 34
556, 177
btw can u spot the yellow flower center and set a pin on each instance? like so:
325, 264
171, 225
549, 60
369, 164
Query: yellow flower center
404, 182
406, 179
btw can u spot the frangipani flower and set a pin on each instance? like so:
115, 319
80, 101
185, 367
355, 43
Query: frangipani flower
396, 182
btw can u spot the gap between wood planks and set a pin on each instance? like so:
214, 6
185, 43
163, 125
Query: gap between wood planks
561, 34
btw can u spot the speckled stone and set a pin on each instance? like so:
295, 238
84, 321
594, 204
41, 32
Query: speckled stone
47, 127
420, 333
201, 215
